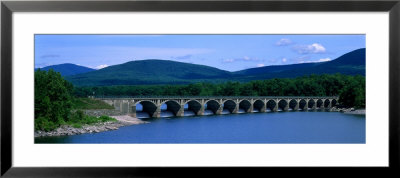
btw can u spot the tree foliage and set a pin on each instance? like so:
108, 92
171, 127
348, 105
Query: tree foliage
353, 93
53, 97
351, 89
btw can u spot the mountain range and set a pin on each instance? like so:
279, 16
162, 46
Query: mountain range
155, 71
68, 69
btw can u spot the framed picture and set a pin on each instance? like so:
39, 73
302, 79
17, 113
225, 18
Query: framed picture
290, 84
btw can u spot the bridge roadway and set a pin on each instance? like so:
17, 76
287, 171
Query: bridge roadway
152, 105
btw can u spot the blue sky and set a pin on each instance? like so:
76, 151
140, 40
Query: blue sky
227, 52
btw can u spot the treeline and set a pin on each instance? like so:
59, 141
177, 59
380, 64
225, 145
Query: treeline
55, 102
351, 89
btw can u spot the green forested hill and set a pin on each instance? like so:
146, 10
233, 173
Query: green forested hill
68, 69
352, 63
150, 72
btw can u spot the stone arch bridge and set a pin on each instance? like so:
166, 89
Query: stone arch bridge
152, 105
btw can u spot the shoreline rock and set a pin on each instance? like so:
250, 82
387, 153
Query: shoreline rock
122, 120
356, 112
349, 111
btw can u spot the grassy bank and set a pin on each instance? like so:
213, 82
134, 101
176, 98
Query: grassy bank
90, 103
76, 119
79, 118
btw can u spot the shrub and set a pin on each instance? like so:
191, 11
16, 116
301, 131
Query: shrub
45, 124
106, 119
77, 117
76, 125
52, 97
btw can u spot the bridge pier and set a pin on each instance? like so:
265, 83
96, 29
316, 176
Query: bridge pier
121, 106
264, 108
132, 109
286, 108
235, 111
276, 106
157, 113
181, 111
201, 111
125, 107
219, 110
250, 110
296, 107
116, 104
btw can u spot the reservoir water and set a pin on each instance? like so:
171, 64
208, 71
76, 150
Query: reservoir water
271, 127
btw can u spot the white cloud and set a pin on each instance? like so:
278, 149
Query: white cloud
283, 42
284, 60
324, 59
246, 58
319, 60
260, 65
317, 48
307, 49
101, 66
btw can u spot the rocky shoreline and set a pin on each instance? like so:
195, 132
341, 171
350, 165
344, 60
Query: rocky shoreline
349, 111
356, 112
122, 120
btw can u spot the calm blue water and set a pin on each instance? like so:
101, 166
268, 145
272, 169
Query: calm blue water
279, 127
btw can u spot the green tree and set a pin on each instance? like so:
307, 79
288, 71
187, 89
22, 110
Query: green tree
231, 89
350, 88
353, 93
53, 100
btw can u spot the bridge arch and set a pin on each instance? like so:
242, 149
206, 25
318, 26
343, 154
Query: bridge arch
245, 105
172, 106
271, 104
311, 104
259, 105
333, 102
293, 104
327, 103
194, 106
303, 105
283, 104
319, 103
147, 106
230, 105
212, 105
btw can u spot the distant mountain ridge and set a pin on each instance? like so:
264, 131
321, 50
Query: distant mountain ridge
352, 63
152, 71
68, 69
155, 71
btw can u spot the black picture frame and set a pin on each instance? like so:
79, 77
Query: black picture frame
8, 7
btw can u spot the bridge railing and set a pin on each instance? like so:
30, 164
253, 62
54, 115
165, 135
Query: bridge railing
207, 97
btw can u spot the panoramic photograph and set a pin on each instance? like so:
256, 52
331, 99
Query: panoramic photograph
200, 89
